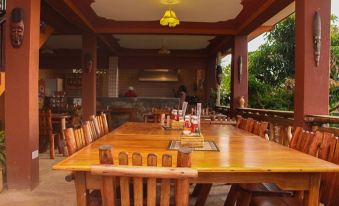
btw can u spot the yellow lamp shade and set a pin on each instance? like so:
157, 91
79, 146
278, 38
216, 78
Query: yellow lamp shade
169, 19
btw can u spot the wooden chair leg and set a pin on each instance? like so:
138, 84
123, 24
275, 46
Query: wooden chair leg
196, 190
244, 198
232, 195
51, 147
59, 143
203, 194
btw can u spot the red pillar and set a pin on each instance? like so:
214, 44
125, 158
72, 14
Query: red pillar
239, 87
311, 82
211, 82
21, 100
89, 46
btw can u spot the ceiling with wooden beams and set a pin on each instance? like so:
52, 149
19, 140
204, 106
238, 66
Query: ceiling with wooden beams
198, 17
134, 24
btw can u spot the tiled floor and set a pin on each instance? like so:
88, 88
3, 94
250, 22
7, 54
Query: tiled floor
53, 190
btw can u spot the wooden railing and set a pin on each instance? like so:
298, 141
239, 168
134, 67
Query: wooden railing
324, 123
281, 123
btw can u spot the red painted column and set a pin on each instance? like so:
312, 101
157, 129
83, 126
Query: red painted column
89, 46
239, 87
21, 100
211, 82
311, 82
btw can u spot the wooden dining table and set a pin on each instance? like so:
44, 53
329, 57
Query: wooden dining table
242, 158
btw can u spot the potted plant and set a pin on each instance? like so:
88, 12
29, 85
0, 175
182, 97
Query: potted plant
2, 159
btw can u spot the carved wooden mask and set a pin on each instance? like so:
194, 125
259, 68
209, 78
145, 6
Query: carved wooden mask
17, 27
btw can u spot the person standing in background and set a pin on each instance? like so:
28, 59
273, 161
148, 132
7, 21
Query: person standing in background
130, 92
181, 93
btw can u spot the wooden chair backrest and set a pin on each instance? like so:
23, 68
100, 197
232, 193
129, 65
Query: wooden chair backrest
137, 172
104, 123
249, 124
93, 130
45, 124
315, 144
96, 126
70, 141
80, 138
238, 118
86, 127
327, 146
243, 123
256, 127
75, 140
100, 123
262, 129
306, 140
295, 137
329, 181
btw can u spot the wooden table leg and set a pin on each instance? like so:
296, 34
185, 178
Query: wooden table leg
80, 187
312, 195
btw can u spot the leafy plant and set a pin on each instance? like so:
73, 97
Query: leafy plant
2, 149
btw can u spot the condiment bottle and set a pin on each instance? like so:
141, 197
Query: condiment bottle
187, 124
174, 114
195, 124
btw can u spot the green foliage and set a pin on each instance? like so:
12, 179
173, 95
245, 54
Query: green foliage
273, 62
225, 87
2, 149
271, 68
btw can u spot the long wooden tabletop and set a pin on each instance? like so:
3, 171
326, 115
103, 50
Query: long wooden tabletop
240, 151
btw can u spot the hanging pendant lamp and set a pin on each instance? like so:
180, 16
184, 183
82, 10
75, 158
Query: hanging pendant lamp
169, 19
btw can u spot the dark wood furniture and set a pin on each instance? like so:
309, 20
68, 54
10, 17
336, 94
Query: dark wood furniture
46, 135
136, 173
247, 160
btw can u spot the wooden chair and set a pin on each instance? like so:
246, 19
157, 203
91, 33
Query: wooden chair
46, 132
259, 128
88, 135
249, 124
242, 193
295, 138
243, 123
328, 151
104, 123
96, 126
150, 173
329, 195
93, 130
100, 124
75, 140
256, 127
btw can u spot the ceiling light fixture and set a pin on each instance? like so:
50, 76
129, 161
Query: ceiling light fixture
169, 19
